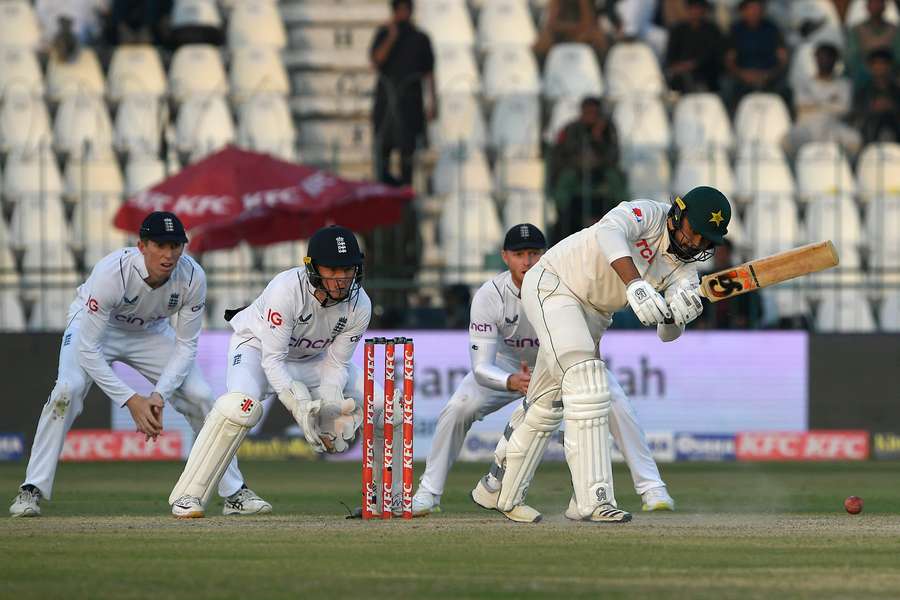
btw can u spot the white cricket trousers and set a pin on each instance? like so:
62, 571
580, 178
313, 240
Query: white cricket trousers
148, 353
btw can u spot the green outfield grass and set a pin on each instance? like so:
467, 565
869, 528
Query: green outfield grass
741, 530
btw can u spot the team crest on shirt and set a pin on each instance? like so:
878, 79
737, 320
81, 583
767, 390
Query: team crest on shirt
173, 300
638, 214
339, 326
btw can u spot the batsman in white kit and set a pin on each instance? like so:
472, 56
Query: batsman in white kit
121, 313
642, 253
296, 342
503, 348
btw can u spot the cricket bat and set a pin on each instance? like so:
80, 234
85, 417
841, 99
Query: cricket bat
767, 271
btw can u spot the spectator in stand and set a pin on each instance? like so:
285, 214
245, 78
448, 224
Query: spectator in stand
585, 179
693, 57
402, 55
821, 103
871, 34
570, 21
637, 21
877, 103
84, 15
757, 57
138, 21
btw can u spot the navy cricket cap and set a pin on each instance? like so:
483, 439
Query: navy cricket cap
524, 236
162, 226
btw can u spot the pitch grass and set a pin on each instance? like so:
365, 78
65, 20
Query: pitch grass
741, 530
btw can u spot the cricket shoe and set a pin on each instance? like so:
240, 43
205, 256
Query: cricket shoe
26, 503
188, 507
605, 513
657, 499
245, 502
424, 503
485, 498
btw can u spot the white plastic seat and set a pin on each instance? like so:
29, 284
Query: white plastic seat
878, 171
92, 175
24, 123
505, 23
510, 70
143, 172
823, 169
92, 226
889, 316
519, 174
836, 218
882, 236
701, 123
266, 126
762, 118
282, 256
12, 315
649, 174
19, 71
257, 70
196, 69
515, 127
31, 173
632, 68
231, 266
52, 297
19, 26
256, 23
139, 121
204, 125
520, 183
844, 310
710, 168
187, 13
772, 224
466, 172
455, 71
135, 70
857, 12
762, 169
9, 275
565, 110
470, 231
446, 22
37, 219
642, 124
78, 77
460, 123
572, 70
82, 125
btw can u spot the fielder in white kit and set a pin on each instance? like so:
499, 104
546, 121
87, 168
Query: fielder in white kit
121, 313
636, 251
296, 342
503, 350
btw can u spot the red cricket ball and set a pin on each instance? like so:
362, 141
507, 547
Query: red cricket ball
853, 505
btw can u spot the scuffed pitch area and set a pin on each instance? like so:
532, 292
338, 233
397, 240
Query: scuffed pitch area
748, 531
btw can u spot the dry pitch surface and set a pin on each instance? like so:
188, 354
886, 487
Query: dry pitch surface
741, 531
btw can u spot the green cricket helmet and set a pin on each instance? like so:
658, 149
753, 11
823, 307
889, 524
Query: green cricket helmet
709, 213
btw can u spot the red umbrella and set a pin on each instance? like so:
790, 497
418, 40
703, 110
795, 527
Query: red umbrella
236, 195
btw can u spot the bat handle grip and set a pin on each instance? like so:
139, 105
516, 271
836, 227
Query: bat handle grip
669, 321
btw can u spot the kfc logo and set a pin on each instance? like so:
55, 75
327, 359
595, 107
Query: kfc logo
407, 454
92, 304
274, 318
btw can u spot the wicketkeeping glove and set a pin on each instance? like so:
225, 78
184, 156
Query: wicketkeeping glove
338, 424
306, 412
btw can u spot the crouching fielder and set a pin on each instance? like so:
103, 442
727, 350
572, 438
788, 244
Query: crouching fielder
633, 253
295, 341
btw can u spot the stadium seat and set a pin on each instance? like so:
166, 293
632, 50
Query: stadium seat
281, 257
461, 171
52, 299
470, 231
188, 13
510, 70
632, 68
572, 70
505, 23
446, 22
82, 125
515, 127
882, 236
649, 174
257, 70
19, 26
87, 176
772, 224
12, 315
330, 140
232, 267
38, 218
889, 316
642, 125
762, 169
204, 125
19, 72
701, 123
520, 182
80, 77
878, 171
707, 168
135, 69
139, 122
256, 23
836, 218
845, 311
266, 125
762, 118
459, 124
823, 169
857, 12
196, 69
455, 71
31, 173
519, 174
565, 110
24, 123
92, 229
143, 172
220, 298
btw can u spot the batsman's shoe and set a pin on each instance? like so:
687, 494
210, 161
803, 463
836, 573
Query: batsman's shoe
188, 507
245, 502
424, 503
657, 499
485, 498
605, 513
26, 504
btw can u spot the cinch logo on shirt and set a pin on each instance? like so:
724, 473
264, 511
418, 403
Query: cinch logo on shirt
310, 344
481, 327
638, 215
645, 250
522, 342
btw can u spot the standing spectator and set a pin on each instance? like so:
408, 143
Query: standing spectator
871, 34
821, 103
757, 58
402, 55
570, 21
585, 178
693, 57
877, 103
